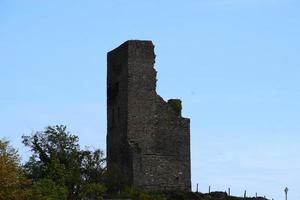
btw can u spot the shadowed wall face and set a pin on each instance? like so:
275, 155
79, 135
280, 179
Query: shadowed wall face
148, 141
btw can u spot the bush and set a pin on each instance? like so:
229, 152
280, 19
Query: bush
46, 189
93, 191
136, 194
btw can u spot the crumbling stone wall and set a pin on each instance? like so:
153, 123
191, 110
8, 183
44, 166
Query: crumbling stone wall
148, 141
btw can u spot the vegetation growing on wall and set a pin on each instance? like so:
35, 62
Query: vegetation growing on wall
175, 105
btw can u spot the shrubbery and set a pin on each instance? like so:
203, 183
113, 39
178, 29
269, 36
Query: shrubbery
137, 194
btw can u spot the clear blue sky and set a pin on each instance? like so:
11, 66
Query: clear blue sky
234, 63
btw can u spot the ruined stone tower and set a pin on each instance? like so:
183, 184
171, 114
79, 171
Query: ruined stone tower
148, 141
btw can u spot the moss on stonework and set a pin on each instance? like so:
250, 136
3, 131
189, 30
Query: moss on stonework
176, 105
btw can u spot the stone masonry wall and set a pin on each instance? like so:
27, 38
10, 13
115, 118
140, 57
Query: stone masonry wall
147, 140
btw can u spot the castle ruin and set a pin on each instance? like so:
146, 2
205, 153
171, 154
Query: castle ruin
148, 141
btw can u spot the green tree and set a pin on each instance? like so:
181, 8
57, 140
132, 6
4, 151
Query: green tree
47, 189
13, 184
56, 155
93, 191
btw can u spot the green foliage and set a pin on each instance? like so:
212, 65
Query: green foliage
47, 189
56, 155
134, 193
8, 153
152, 196
93, 191
129, 192
13, 183
176, 105
93, 166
